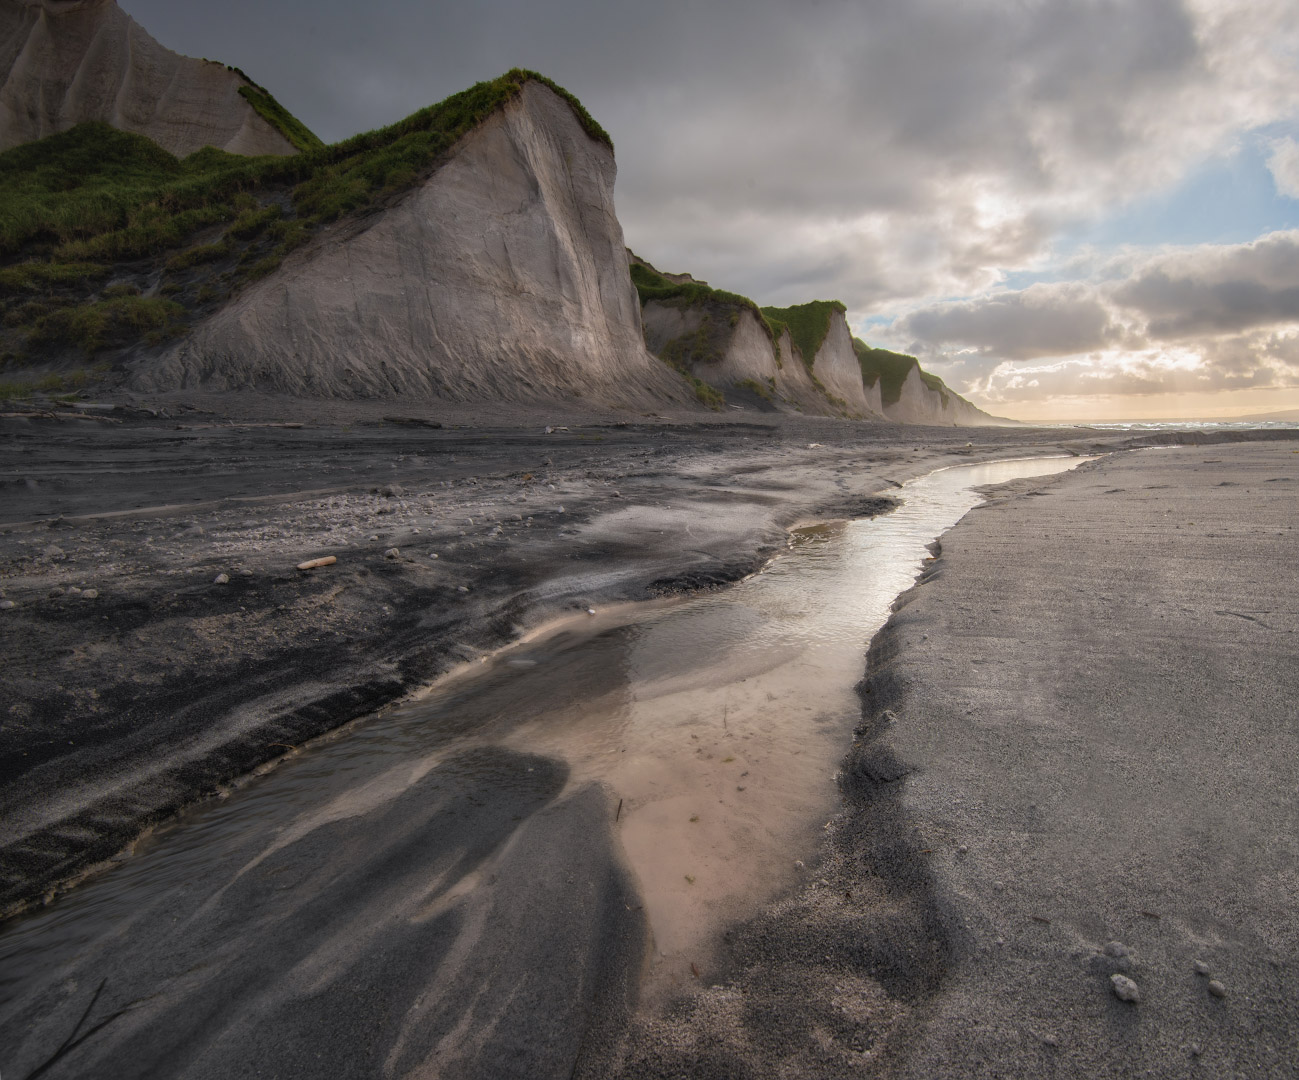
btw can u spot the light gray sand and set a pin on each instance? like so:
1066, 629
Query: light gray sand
1095, 745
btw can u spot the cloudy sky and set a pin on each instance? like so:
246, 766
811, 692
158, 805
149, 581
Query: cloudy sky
1069, 210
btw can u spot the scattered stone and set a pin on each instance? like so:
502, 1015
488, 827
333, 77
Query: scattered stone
312, 564
1115, 948
90, 594
246, 573
1125, 989
1050, 1040
55, 593
462, 588
964, 849
7, 605
375, 536
392, 553
799, 866
1201, 968
432, 554
73, 591
221, 579
889, 716
590, 611
391, 491
1217, 989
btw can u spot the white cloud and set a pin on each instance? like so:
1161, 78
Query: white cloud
1200, 318
1283, 163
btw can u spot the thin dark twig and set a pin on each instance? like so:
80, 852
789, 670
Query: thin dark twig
73, 1040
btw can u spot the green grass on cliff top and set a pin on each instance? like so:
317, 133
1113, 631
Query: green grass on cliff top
808, 325
890, 370
94, 202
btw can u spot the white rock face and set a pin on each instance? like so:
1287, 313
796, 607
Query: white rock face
919, 404
837, 367
750, 355
63, 62
503, 277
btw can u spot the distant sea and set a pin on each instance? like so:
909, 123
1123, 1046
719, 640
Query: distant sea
1184, 425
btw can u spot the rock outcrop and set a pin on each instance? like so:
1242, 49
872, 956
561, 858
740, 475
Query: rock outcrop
63, 62
502, 277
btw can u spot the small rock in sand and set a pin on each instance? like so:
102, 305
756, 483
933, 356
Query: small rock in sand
90, 594
392, 553
7, 605
55, 593
1201, 968
1125, 989
462, 588
73, 591
1217, 989
1115, 948
221, 579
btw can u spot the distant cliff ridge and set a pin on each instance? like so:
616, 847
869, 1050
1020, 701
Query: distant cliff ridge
801, 358
64, 62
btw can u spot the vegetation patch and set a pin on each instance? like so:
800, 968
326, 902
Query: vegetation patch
91, 327
808, 325
651, 285
755, 387
295, 132
79, 205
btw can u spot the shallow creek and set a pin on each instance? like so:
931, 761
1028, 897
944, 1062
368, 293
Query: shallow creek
716, 720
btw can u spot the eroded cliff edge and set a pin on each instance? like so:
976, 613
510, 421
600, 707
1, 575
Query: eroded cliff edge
64, 62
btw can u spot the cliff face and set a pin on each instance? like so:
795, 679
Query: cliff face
837, 369
63, 62
503, 277
922, 404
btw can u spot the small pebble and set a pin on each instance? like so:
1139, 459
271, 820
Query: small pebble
1115, 948
462, 588
1050, 1040
55, 593
1201, 968
798, 865
73, 591
1125, 989
590, 611
392, 553
90, 594
1217, 989
433, 555
7, 605
964, 849
221, 579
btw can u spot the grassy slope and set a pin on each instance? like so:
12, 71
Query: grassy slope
808, 325
95, 203
890, 369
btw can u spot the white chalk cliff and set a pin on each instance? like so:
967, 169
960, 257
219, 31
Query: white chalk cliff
502, 277
63, 62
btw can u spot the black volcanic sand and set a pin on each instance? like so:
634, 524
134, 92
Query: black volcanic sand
1077, 759
351, 949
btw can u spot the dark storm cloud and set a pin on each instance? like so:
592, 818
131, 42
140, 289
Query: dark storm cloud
1043, 320
1218, 290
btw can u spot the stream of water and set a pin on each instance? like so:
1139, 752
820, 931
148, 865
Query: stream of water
717, 720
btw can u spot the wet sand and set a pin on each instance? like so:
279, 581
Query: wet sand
830, 979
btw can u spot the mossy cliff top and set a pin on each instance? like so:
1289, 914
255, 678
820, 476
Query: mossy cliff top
890, 370
95, 203
808, 325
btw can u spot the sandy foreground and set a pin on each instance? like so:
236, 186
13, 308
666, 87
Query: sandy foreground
169, 683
